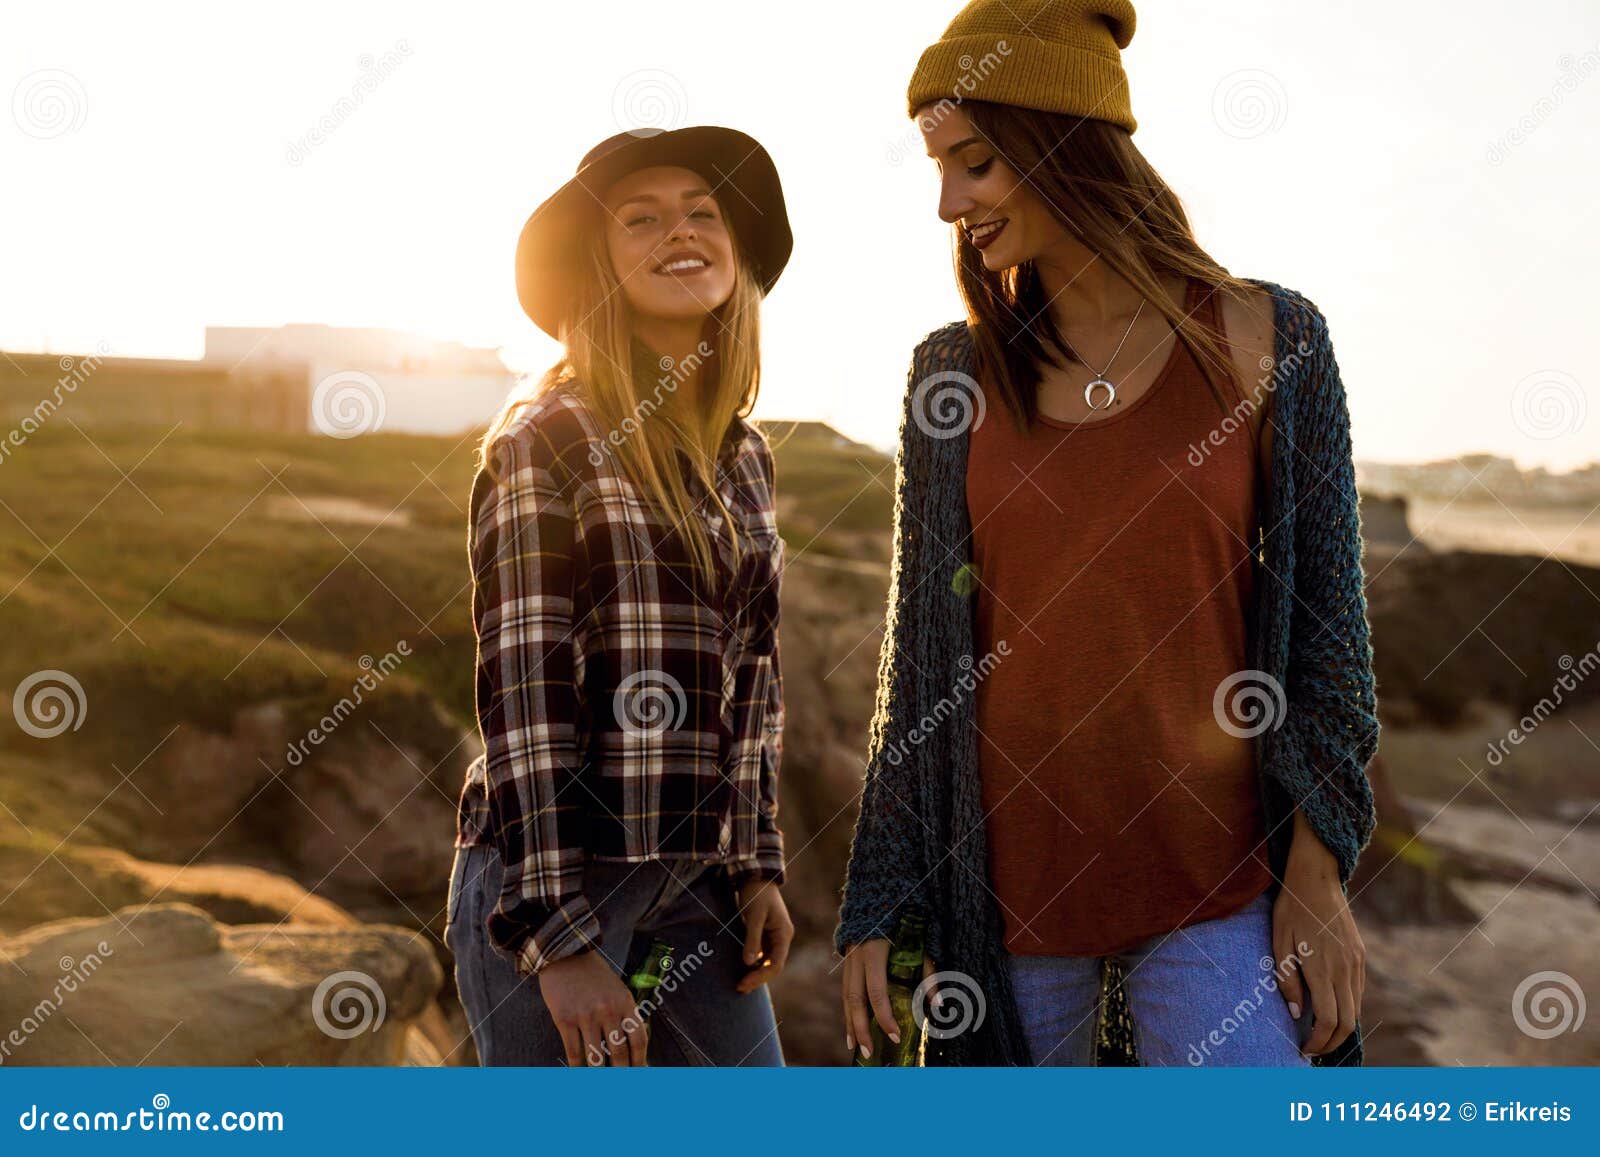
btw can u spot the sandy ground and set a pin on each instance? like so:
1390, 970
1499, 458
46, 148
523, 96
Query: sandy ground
1461, 983
1569, 533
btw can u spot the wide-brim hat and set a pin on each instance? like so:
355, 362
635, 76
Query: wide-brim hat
742, 178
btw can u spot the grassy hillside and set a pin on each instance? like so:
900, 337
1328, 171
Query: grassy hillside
180, 578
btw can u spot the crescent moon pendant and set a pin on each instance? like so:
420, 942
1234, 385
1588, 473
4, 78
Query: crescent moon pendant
1088, 394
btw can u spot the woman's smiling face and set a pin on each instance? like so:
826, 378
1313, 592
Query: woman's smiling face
668, 242
999, 212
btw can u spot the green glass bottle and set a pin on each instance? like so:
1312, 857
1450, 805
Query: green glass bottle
652, 970
905, 973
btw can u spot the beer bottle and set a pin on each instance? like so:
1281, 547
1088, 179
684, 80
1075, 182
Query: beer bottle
652, 969
905, 973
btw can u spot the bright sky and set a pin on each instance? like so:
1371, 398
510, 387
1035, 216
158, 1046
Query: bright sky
1342, 149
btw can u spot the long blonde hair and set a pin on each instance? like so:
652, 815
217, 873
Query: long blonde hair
610, 366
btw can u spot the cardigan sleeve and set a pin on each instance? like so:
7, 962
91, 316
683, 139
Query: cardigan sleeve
1331, 724
885, 870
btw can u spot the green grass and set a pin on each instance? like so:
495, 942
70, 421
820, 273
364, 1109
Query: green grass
175, 597
837, 491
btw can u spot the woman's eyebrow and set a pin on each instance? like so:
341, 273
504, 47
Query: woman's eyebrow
961, 144
652, 198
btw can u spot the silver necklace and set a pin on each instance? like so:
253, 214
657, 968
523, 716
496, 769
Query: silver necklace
1100, 379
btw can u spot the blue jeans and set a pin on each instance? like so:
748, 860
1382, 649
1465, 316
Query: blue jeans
1205, 994
701, 1019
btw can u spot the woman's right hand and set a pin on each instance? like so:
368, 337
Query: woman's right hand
594, 1012
866, 985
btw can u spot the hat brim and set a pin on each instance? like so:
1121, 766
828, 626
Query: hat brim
742, 177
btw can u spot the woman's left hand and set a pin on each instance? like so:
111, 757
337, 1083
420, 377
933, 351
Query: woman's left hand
1319, 952
768, 932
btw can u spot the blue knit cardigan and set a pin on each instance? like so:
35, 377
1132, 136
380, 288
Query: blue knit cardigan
920, 834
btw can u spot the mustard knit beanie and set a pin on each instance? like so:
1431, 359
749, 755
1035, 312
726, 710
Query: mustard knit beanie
1055, 55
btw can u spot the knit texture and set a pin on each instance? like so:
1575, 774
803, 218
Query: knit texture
919, 837
1059, 56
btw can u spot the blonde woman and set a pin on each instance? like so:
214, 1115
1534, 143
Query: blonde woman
625, 569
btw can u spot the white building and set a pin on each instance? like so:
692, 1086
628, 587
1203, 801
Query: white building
365, 380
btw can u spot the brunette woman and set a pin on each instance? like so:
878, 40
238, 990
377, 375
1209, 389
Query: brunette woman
1128, 595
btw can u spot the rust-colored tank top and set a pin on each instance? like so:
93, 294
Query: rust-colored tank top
1119, 574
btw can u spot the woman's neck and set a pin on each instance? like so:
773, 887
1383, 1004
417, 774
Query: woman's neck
678, 340
1085, 294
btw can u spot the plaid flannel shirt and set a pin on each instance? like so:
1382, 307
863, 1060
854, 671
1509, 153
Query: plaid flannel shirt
627, 711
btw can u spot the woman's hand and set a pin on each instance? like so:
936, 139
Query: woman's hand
1314, 938
594, 1012
768, 932
866, 983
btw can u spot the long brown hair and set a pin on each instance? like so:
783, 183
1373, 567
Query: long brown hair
1097, 183
623, 384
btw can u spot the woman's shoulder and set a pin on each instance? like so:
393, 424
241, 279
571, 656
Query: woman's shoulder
1248, 323
1305, 372
1290, 312
758, 440
555, 429
943, 348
